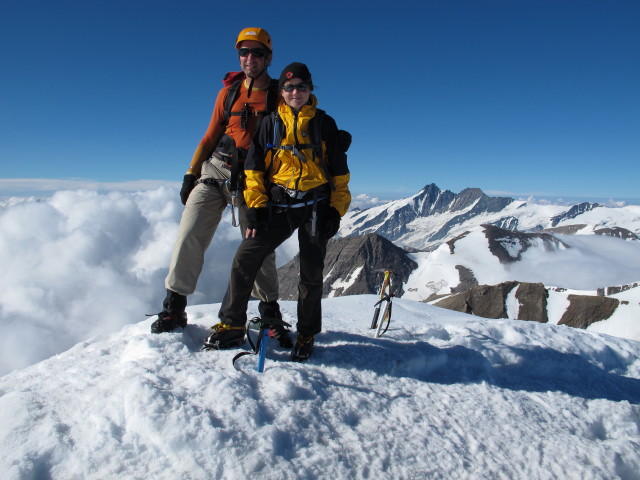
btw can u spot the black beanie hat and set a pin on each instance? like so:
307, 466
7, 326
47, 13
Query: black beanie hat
295, 70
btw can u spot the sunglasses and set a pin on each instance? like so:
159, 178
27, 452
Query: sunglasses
256, 52
301, 87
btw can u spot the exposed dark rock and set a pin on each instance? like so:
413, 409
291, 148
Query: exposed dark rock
356, 263
467, 279
509, 246
508, 223
573, 212
532, 298
617, 232
566, 229
459, 303
488, 301
433, 297
584, 310
617, 289
430, 200
484, 204
452, 242
482, 300
466, 198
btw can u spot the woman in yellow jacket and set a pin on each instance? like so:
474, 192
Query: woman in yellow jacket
294, 181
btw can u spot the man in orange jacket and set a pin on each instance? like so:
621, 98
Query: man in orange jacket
209, 186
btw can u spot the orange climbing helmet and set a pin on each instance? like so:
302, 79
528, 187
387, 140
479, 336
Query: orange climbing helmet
255, 34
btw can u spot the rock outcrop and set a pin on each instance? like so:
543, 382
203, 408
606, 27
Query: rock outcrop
489, 301
353, 266
584, 310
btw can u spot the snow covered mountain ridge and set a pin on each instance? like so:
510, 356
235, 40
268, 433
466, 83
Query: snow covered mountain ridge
432, 216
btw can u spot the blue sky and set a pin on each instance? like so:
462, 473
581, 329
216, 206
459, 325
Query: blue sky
518, 98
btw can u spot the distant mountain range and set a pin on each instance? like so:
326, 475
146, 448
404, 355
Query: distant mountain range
443, 244
433, 216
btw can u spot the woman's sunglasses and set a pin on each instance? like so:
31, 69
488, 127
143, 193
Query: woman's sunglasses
256, 52
301, 87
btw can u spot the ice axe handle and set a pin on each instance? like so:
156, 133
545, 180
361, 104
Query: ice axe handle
376, 314
262, 354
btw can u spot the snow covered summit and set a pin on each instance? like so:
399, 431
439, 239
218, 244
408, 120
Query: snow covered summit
441, 395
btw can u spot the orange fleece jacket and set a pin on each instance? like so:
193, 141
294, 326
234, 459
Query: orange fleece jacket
216, 130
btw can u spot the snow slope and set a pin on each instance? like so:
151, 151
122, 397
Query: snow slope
590, 262
441, 395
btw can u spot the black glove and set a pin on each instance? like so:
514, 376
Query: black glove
277, 195
332, 222
188, 183
257, 219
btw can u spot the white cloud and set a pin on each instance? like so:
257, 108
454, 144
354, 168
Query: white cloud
34, 186
364, 201
82, 263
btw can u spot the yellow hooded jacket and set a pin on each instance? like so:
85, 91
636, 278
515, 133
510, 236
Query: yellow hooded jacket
287, 169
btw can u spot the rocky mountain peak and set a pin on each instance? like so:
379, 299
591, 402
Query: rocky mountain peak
395, 222
573, 212
353, 266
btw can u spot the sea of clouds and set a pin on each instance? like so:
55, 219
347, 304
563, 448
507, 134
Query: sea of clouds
81, 263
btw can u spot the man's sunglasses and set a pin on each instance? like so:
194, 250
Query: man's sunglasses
301, 87
256, 52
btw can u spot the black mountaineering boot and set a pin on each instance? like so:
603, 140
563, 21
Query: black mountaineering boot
283, 335
224, 336
173, 314
303, 348
271, 310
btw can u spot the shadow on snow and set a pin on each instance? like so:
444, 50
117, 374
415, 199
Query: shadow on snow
533, 369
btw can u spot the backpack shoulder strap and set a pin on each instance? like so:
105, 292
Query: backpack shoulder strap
229, 100
318, 129
273, 93
271, 103
278, 131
